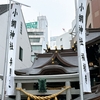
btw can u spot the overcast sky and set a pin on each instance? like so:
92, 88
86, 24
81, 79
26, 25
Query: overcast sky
59, 13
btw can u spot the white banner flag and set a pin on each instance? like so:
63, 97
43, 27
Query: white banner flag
13, 32
82, 48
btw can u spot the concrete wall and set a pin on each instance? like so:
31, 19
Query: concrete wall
3, 32
96, 13
93, 17
89, 18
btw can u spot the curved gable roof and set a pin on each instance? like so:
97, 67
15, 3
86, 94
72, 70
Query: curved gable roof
67, 62
46, 61
93, 36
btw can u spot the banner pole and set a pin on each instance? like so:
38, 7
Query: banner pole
6, 57
78, 52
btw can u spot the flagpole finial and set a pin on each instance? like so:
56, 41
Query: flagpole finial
64, 30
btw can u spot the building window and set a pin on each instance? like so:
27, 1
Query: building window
33, 57
20, 53
90, 26
60, 39
61, 46
35, 33
36, 47
21, 28
34, 39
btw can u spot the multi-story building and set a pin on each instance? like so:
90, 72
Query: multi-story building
93, 14
38, 35
63, 41
43, 25
53, 42
23, 48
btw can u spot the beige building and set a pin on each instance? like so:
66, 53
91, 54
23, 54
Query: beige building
93, 14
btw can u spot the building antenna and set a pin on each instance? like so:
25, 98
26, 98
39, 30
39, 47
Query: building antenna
64, 30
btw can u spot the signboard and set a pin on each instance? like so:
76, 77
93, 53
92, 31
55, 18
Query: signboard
31, 25
13, 32
82, 49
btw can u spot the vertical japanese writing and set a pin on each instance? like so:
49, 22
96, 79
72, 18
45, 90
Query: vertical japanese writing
81, 18
81, 7
13, 31
80, 29
86, 79
12, 34
11, 46
84, 67
83, 57
81, 41
13, 23
21, 28
10, 61
15, 12
82, 49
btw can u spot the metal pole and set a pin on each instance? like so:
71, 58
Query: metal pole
79, 56
6, 56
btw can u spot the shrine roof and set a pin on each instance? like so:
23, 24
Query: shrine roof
65, 61
93, 36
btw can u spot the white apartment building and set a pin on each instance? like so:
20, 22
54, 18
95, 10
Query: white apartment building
64, 40
61, 41
53, 42
38, 35
23, 48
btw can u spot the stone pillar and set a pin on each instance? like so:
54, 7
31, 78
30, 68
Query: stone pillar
68, 92
18, 94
